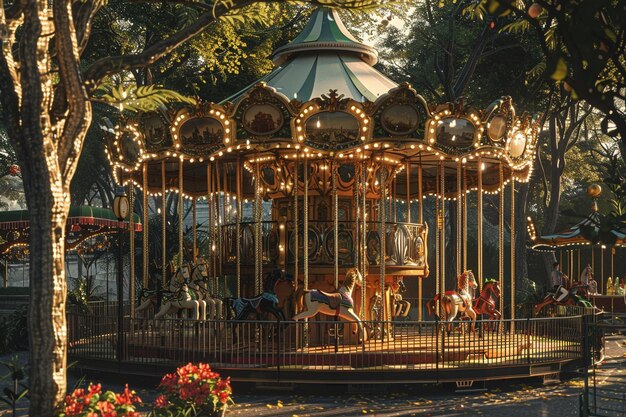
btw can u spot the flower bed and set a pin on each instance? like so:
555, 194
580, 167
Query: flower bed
193, 390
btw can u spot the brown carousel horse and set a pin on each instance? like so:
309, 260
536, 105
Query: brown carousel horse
574, 297
486, 301
338, 304
458, 302
285, 290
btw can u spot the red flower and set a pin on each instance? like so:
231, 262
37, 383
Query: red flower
127, 397
161, 401
106, 409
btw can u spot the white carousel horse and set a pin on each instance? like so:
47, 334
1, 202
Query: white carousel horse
195, 295
199, 284
181, 299
454, 303
338, 304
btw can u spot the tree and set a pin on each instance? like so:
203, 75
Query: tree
46, 91
584, 47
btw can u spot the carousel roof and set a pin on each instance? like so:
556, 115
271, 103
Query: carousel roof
83, 222
589, 231
325, 104
325, 56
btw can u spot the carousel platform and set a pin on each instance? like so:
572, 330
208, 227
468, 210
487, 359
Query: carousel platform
271, 352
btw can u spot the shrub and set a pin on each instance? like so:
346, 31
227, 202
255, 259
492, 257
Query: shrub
193, 390
92, 402
14, 331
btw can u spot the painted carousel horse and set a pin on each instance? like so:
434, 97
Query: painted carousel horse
199, 284
486, 301
146, 297
571, 299
285, 290
400, 307
456, 302
338, 304
267, 302
181, 298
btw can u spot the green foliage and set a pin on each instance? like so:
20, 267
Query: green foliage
582, 44
135, 98
14, 331
18, 390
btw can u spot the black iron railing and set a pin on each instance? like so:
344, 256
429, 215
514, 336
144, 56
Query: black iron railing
326, 345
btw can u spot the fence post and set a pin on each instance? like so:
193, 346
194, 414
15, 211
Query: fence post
586, 361
278, 351
528, 342
437, 346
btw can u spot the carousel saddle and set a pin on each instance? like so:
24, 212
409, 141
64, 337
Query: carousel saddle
333, 299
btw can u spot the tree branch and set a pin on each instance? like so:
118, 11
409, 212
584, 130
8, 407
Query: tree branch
78, 115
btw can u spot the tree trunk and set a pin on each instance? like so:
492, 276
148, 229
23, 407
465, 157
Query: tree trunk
48, 203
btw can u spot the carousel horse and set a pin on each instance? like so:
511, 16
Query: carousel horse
400, 307
267, 302
572, 299
147, 298
486, 301
285, 290
192, 289
453, 302
181, 298
199, 283
338, 304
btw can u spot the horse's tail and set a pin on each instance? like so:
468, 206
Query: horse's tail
430, 306
446, 302
227, 303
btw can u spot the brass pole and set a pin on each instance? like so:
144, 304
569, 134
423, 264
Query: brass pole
180, 213
296, 237
438, 233
593, 260
211, 222
420, 220
512, 250
501, 236
305, 247
356, 214
602, 267
257, 230
464, 205
364, 236
442, 217
219, 222
163, 227
194, 231
238, 226
479, 231
459, 219
383, 244
334, 167
146, 219
131, 229
408, 192
612, 254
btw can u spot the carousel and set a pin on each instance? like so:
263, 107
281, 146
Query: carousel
313, 183
587, 240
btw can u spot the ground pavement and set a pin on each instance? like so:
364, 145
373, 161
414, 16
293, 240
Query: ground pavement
511, 399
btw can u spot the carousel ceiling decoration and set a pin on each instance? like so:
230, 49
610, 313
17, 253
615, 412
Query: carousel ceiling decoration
324, 102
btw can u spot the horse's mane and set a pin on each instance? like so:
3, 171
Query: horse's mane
351, 277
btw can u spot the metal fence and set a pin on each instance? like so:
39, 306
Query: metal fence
604, 391
327, 345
